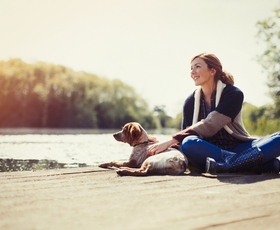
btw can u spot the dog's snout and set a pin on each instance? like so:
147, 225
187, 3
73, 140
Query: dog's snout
118, 136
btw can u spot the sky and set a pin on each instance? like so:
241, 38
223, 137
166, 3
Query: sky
147, 44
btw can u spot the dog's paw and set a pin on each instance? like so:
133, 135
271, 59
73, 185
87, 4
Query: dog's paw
103, 165
120, 172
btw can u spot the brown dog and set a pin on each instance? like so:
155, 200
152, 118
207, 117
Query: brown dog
140, 163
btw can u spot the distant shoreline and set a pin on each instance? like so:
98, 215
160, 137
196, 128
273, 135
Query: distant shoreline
55, 131
66, 131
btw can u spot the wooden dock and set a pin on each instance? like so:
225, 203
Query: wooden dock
94, 198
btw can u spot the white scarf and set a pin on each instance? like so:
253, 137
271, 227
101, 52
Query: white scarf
220, 87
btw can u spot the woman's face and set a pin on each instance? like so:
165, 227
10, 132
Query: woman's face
200, 72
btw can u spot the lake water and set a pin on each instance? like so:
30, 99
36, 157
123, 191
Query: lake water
34, 149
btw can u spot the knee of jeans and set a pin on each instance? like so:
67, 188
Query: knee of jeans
189, 143
275, 136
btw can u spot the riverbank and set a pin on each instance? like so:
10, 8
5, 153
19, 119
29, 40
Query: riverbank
95, 198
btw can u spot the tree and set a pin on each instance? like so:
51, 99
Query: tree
269, 33
258, 120
165, 121
47, 95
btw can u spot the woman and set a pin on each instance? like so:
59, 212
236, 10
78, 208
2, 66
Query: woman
213, 136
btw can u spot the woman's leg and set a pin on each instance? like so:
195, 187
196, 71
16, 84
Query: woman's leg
197, 150
259, 153
270, 146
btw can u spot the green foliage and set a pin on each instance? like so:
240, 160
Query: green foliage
269, 33
177, 122
259, 121
46, 95
163, 120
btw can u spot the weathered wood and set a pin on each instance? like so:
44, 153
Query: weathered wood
93, 198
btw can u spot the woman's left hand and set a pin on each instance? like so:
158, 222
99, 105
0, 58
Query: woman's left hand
156, 148
160, 147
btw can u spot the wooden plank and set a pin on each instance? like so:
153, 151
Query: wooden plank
94, 198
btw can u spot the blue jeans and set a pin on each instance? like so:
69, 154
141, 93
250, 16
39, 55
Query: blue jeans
197, 150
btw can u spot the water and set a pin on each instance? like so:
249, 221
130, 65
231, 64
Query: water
34, 149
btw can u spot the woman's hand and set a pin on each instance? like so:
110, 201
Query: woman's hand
160, 147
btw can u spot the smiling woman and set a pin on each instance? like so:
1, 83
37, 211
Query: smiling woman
212, 127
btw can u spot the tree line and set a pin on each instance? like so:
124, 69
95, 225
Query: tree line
54, 96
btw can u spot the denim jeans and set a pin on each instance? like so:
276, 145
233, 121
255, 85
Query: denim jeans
197, 150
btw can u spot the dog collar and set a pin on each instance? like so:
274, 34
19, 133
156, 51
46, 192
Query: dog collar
145, 142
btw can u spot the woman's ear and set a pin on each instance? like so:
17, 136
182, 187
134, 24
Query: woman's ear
213, 71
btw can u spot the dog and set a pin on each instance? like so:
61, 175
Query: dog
140, 163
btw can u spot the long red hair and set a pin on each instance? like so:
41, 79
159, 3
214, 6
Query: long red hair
213, 62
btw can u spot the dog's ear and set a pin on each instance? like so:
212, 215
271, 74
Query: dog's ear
132, 133
152, 139
135, 132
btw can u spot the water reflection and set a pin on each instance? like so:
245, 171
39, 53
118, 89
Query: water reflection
11, 165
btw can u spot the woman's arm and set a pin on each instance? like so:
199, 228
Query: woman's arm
209, 126
229, 107
176, 139
187, 114
160, 147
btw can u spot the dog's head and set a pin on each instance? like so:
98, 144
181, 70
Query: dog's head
133, 133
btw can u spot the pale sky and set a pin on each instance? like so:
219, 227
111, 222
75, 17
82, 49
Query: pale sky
147, 44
